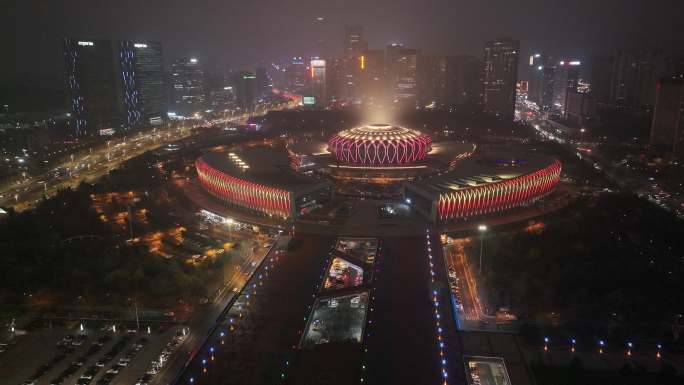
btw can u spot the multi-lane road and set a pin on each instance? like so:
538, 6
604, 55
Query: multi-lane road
88, 165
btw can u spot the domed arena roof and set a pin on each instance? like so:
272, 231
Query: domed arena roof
379, 144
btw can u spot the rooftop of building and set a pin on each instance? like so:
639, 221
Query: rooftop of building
490, 167
263, 165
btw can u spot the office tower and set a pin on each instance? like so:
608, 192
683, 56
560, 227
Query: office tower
354, 44
541, 73
627, 78
433, 80
244, 84
567, 75
500, 76
318, 86
354, 47
262, 82
464, 85
187, 80
297, 77
91, 80
634, 78
667, 129
372, 75
336, 80
142, 82
402, 66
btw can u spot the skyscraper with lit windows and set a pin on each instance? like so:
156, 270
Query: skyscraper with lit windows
187, 80
402, 72
500, 75
318, 81
142, 82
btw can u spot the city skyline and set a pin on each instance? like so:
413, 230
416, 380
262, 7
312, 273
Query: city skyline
338, 192
206, 31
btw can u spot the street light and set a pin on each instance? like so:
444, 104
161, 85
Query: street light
482, 229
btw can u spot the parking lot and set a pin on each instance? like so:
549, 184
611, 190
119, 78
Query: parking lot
337, 319
108, 355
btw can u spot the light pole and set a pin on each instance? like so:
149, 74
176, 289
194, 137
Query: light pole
482, 229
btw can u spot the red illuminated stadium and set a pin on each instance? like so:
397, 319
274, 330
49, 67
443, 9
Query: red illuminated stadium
259, 180
484, 186
379, 144
446, 181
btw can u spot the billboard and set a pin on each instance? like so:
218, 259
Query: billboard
308, 100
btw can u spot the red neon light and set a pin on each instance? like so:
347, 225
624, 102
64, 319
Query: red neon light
379, 151
254, 196
499, 196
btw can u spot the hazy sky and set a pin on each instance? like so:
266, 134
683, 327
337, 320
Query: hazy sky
242, 33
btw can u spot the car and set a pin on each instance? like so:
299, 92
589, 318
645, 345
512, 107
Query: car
57, 381
113, 370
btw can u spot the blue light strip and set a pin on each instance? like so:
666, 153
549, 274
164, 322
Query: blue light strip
438, 323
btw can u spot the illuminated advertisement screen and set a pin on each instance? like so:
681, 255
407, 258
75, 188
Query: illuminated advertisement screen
307, 100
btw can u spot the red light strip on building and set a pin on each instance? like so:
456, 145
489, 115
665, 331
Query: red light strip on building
254, 196
378, 151
499, 196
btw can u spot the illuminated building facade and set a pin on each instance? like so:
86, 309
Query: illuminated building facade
402, 72
260, 181
484, 186
91, 81
500, 76
567, 76
142, 82
379, 144
187, 80
318, 81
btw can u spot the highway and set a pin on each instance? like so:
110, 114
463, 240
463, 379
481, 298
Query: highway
87, 166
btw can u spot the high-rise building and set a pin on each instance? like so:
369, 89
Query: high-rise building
262, 82
354, 47
91, 80
433, 80
567, 75
464, 86
336, 80
187, 80
372, 75
601, 75
402, 73
448, 80
318, 84
541, 73
667, 129
142, 82
500, 76
245, 85
297, 77
627, 78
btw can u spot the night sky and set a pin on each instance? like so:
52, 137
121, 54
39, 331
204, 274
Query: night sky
245, 33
